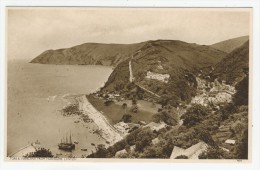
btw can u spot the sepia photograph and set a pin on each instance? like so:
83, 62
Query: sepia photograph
86, 83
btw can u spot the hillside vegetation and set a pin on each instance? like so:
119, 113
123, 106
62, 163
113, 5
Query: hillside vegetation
177, 59
214, 123
232, 68
89, 54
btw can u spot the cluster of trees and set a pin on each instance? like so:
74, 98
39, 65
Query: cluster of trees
167, 114
40, 153
241, 96
134, 107
169, 99
141, 138
194, 115
214, 153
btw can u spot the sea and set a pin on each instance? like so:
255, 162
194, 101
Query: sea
36, 94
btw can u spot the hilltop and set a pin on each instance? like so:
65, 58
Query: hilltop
88, 54
176, 60
231, 44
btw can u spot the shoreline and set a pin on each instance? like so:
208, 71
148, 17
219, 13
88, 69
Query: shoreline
108, 132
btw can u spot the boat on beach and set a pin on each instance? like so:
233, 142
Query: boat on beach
66, 144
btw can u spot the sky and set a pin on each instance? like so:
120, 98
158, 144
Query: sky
30, 31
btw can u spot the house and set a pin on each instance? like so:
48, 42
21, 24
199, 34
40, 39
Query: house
124, 151
192, 152
155, 141
156, 126
230, 141
156, 76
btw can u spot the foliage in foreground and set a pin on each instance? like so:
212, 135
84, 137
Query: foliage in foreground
40, 153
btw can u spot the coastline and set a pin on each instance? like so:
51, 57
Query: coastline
108, 132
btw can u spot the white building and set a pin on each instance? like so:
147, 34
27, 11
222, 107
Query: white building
156, 76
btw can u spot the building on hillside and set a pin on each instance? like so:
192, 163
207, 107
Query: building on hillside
155, 141
124, 151
230, 141
192, 152
156, 76
156, 126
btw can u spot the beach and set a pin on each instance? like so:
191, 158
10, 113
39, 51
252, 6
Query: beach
107, 131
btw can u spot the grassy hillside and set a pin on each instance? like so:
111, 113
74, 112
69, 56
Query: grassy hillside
231, 44
88, 54
232, 68
176, 58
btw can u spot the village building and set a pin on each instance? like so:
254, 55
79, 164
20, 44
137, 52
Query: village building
156, 76
156, 126
155, 141
230, 141
124, 151
192, 152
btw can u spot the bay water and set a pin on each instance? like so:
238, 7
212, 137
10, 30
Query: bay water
35, 95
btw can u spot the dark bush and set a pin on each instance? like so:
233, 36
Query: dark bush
182, 157
127, 118
39, 153
194, 115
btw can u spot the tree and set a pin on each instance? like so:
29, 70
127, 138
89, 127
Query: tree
168, 115
212, 153
156, 118
134, 101
124, 106
134, 109
242, 147
101, 151
144, 139
170, 99
194, 115
227, 110
39, 153
205, 136
241, 96
182, 157
126, 118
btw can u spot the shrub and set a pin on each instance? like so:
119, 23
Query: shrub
168, 115
134, 109
227, 110
241, 96
39, 153
213, 153
127, 118
194, 115
182, 157
241, 150
101, 151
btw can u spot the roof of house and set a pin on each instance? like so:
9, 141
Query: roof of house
156, 126
230, 141
192, 152
155, 141
120, 152
123, 151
